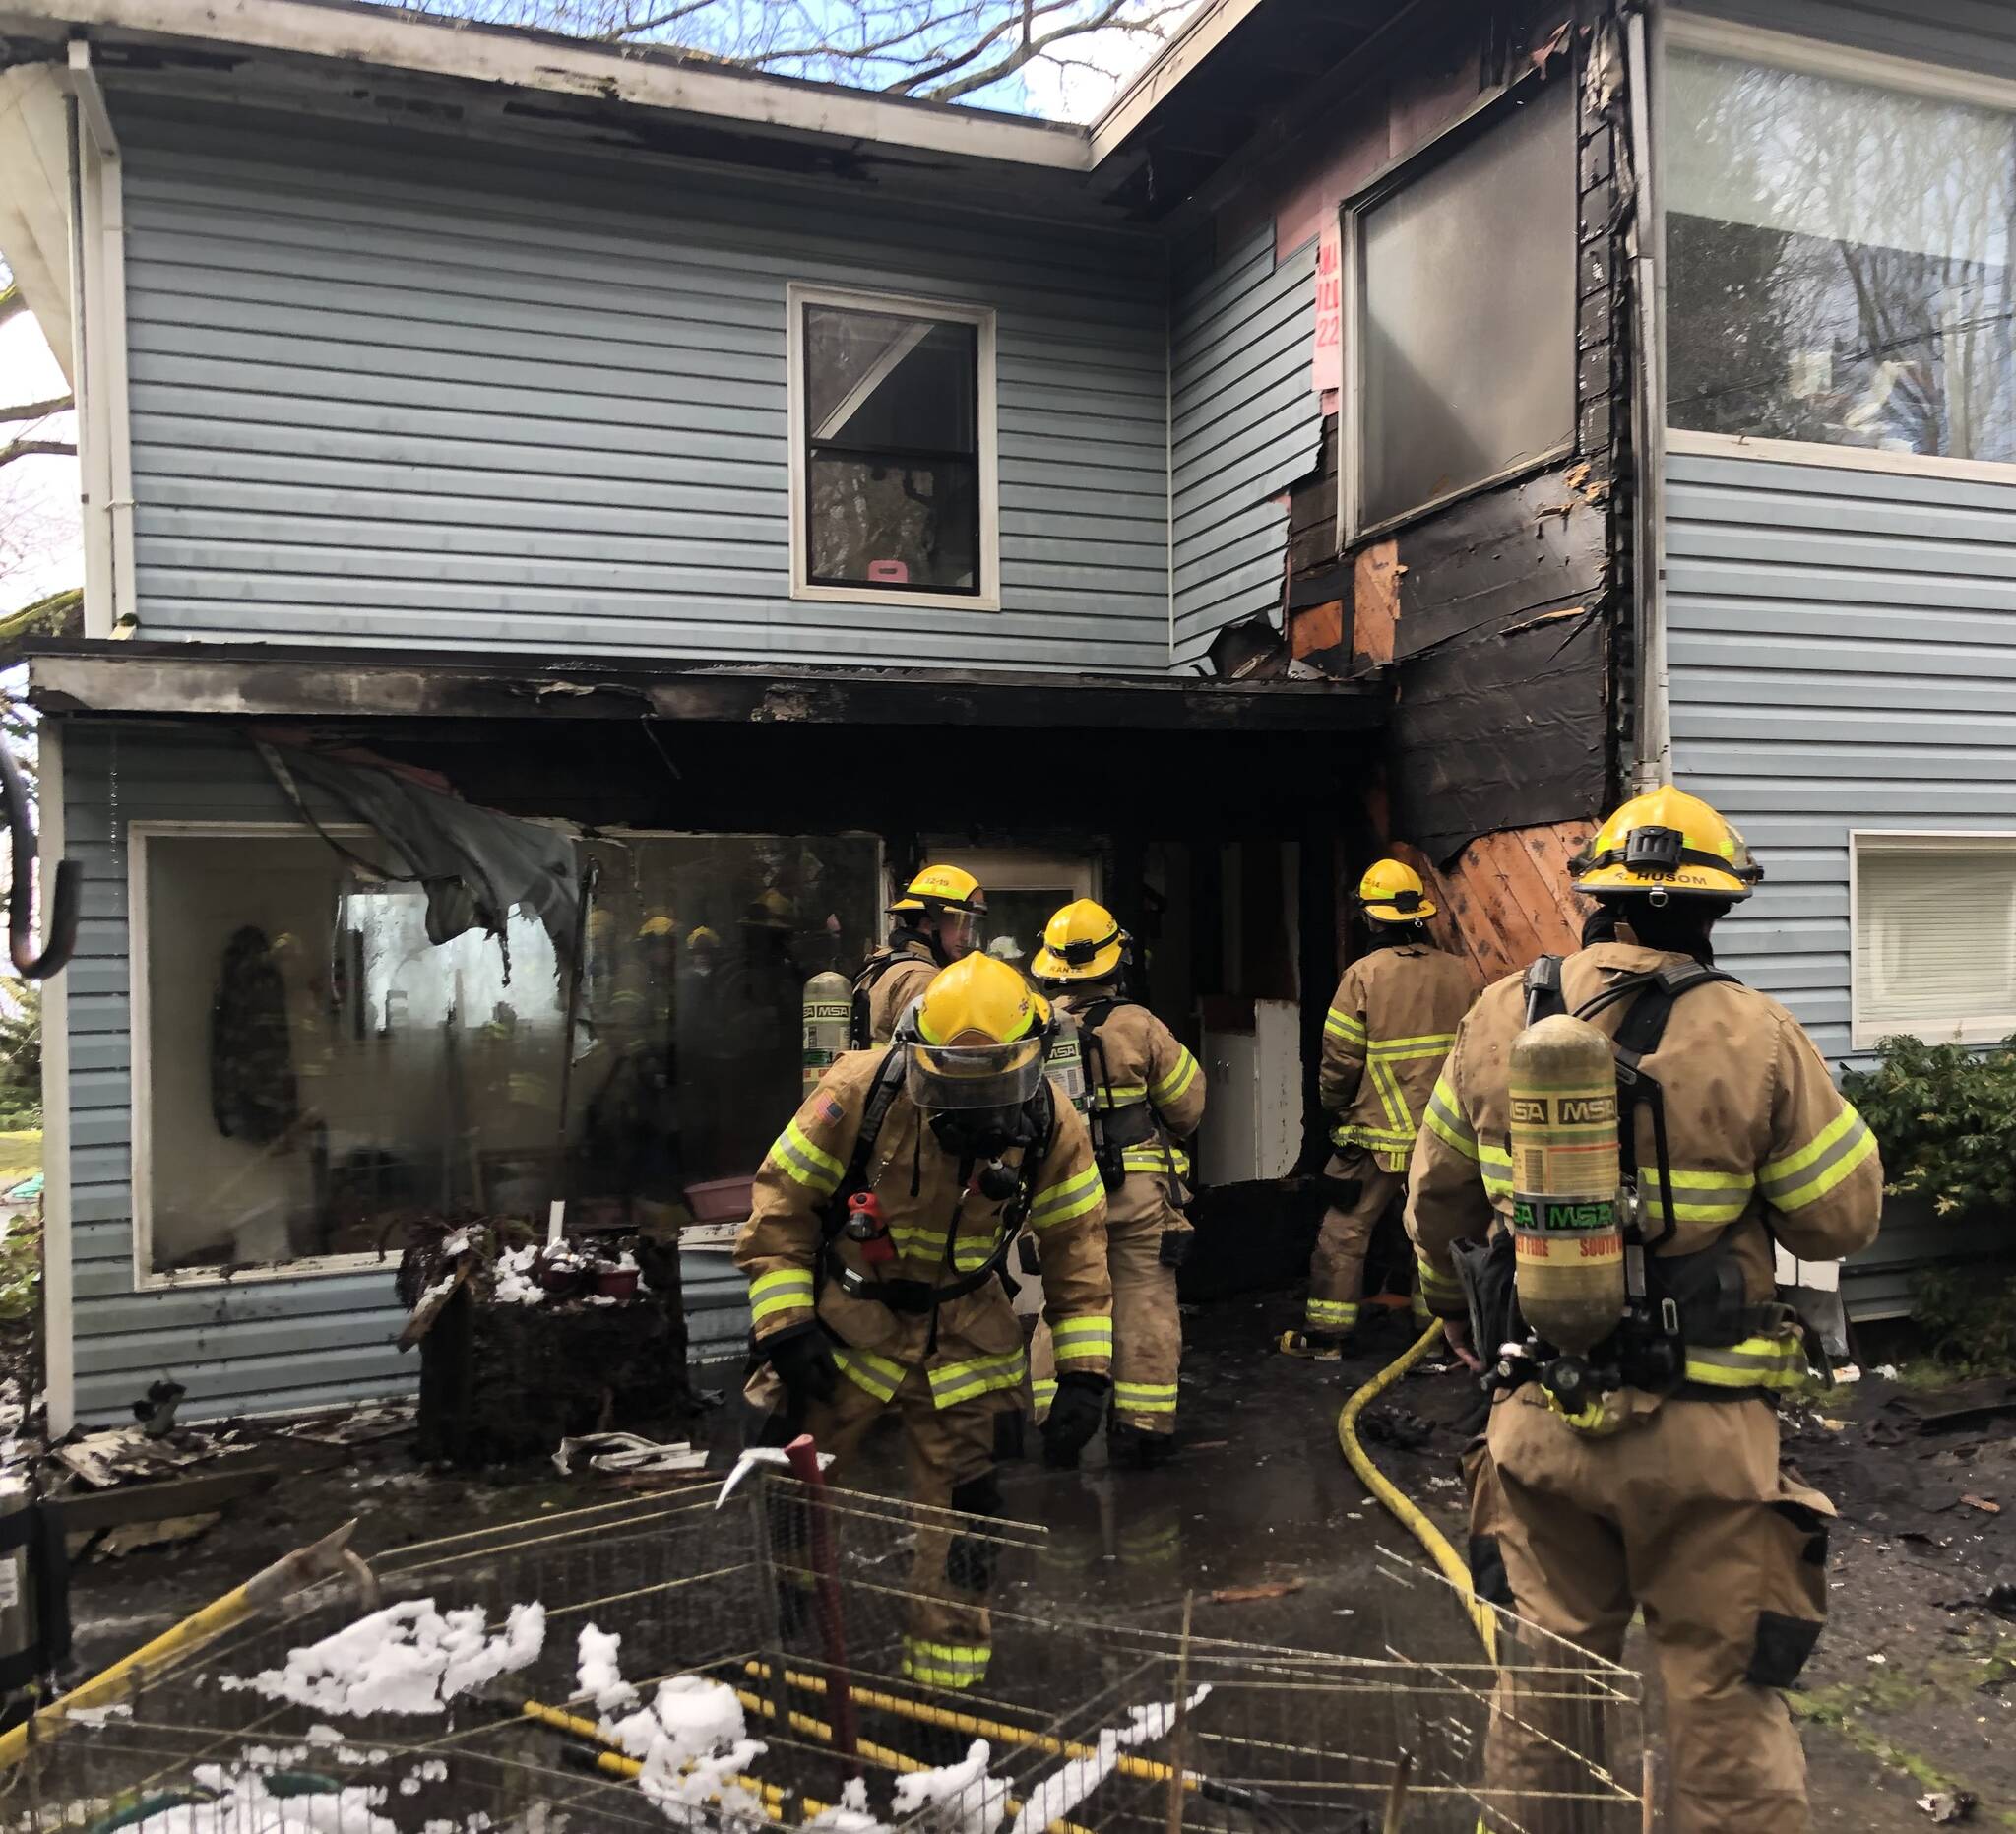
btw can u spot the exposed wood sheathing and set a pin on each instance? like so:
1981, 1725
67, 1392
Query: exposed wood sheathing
1505, 897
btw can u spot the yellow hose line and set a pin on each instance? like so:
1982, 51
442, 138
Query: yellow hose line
1395, 1500
108, 1684
618, 1763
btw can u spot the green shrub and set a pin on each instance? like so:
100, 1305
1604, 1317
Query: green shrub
1969, 1317
1945, 1118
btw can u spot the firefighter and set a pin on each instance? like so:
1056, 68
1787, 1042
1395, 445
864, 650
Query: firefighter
937, 922
1384, 1038
1655, 1483
1146, 1092
882, 1217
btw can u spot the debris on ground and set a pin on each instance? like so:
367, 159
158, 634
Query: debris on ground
1396, 1428
168, 1532
360, 1424
1986, 1505
1948, 1805
1247, 1595
121, 1455
1990, 1396
628, 1452
156, 1410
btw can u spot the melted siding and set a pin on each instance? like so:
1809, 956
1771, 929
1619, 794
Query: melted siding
429, 402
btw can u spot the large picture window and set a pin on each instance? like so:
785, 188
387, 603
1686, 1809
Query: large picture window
314, 1073
1935, 937
1838, 261
891, 449
1461, 331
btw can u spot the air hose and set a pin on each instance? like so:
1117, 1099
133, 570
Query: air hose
1396, 1502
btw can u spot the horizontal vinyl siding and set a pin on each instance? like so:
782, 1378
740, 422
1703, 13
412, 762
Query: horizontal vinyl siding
381, 401
1244, 424
1842, 653
243, 1347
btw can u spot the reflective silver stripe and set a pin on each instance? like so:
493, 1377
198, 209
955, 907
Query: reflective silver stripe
1808, 1175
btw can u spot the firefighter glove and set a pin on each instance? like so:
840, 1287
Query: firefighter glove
804, 1364
1075, 1413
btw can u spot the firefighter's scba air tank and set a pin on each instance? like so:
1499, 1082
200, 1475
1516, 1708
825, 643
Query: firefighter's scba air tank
828, 1004
1567, 1219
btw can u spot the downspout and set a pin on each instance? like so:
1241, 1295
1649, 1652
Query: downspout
1651, 757
98, 290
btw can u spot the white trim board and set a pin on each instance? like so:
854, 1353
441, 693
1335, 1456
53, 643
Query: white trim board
1839, 457
798, 294
528, 60
1691, 32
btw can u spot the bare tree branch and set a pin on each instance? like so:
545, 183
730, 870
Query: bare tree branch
38, 411
36, 449
631, 29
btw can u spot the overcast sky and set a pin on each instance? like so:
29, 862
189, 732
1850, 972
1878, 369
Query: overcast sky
39, 538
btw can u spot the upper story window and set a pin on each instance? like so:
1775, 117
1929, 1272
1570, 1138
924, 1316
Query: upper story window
1935, 937
892, 460
1461, 333
1838, 254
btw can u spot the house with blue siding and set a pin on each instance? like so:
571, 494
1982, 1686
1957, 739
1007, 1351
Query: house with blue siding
1388, 427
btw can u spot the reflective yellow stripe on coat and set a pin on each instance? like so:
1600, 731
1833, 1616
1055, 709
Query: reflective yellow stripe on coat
1081, 1339
1806, 1177
781, 1290
1068, 1198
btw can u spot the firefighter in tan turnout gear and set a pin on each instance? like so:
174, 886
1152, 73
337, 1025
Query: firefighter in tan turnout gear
883, 1215
1384, 1038
1144, 1094
1642, 1470
937, 922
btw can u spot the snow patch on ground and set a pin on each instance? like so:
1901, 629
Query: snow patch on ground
960, 1798
1065, 1788
599, 1673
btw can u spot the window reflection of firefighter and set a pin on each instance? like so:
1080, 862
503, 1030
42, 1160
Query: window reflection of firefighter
937, 922
1644, 1471
1385, 1036
883, 1216
1145, 1093
635, 1134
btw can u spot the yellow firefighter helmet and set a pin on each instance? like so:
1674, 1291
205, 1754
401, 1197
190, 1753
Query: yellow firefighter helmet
660, 925
1669, 841
1391, 893
975, 1037
1084, 942
702, 938
942, 888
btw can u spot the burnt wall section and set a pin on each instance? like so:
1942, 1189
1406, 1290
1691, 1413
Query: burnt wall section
1504, 615
1243, 425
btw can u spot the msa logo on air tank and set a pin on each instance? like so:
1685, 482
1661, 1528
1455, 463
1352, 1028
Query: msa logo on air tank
1555, 1215
1563, 1110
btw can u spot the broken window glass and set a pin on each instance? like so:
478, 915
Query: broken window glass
891, 431
1837, 261
1466, 315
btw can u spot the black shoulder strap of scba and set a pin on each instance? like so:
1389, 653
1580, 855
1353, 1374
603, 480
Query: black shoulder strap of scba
1651, 995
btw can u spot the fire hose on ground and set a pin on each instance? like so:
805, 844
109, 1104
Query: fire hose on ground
1396, 1502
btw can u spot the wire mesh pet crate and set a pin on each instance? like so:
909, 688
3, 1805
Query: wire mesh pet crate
794, 1604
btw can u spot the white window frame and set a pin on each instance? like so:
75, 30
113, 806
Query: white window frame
1815, 57
1476, 120
798, 295
140, 1024
1866, 1035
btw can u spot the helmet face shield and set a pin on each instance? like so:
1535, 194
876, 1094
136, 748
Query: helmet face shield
940, 1078
958, 931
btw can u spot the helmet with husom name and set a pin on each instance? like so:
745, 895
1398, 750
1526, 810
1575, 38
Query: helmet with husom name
1669, 843
975, 1038
1391, 892
1084, 942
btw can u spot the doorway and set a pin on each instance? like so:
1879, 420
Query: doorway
1024, 888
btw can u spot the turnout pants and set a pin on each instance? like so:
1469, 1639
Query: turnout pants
1147, 1329
1684, 1514
951, 1454
1337, 1270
